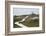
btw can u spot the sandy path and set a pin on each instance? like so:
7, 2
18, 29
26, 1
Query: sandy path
20, 24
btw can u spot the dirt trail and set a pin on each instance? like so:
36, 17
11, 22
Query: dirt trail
20, 24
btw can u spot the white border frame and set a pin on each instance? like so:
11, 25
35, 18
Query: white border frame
25, 29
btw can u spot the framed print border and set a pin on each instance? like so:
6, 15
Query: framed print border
7, 17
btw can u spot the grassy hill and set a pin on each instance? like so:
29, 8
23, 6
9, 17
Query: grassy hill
28, 22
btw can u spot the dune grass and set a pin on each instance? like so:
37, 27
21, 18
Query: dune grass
28, 22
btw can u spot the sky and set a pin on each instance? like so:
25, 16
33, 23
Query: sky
25, 11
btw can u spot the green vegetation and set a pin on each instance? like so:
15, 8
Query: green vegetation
16, 26
28, 22
15, 20
18, 18
31, 23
